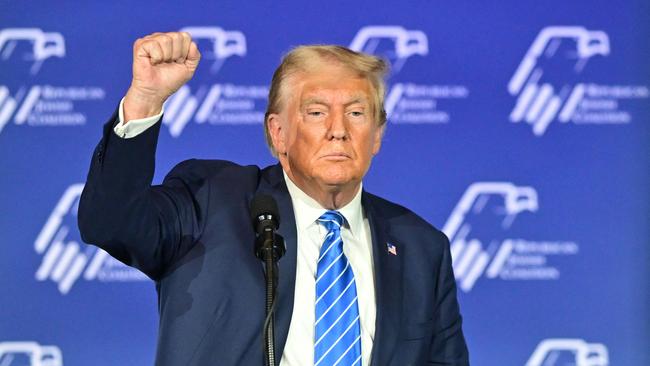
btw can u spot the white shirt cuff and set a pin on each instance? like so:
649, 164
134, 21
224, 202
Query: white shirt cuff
134, 127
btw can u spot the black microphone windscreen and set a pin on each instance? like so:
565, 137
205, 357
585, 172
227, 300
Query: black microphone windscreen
264, 204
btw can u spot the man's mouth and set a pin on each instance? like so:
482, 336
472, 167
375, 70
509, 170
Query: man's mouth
336, 156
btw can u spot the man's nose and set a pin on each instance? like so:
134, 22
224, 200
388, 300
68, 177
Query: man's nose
338, 126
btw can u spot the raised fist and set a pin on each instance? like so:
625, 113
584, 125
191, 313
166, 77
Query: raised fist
162, 63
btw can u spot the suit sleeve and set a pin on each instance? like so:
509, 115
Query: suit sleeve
147, 227
448, 345
134, 127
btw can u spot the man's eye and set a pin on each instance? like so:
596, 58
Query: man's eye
315, 113
356, 114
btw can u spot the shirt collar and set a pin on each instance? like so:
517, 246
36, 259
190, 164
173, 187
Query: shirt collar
307, 210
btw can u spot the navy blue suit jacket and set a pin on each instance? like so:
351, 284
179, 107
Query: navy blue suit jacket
192, 235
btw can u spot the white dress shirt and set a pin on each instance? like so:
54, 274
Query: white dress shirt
357, 246
135, 126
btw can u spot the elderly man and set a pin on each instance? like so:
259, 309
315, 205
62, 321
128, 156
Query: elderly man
364, 281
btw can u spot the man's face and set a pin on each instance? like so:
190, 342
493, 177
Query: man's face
326, 134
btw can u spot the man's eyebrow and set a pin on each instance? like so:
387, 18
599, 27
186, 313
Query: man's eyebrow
356, 100
309, 101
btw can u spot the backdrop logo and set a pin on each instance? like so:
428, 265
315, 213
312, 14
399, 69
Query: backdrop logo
39, 105
481, 245
29, 353
65, 258
549, 86
222, 44
44, 44
402, 43
407, 102
568, 351
46, 105
216, 104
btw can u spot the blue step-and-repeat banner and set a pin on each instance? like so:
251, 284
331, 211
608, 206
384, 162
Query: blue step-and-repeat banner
519, 128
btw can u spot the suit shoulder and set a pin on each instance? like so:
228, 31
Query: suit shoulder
397, 213
205, 169
402, 218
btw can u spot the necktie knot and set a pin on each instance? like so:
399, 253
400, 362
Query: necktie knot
332, 220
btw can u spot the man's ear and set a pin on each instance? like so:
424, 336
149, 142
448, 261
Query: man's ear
274, 124
379, 135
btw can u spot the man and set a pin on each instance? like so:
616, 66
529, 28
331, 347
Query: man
364, 281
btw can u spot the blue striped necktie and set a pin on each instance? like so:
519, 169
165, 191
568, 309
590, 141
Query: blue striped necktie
337, 332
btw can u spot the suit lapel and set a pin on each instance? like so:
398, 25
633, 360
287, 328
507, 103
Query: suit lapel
388, 288
273, 184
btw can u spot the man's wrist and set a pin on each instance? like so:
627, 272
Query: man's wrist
139, 105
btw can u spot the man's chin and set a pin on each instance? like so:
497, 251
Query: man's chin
338, 181
339, 175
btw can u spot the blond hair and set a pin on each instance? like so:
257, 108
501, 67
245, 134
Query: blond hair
304, 58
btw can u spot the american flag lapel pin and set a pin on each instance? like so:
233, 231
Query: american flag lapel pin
391, 249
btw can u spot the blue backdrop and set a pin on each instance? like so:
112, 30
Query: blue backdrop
520, 128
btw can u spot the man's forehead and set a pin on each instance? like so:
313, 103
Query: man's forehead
327, 83
320, 88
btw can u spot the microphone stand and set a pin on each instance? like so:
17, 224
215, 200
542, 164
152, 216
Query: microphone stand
269, 248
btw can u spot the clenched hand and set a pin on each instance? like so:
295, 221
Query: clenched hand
162, 63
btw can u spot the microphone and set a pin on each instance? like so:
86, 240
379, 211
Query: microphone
266, 219
264, 213
269, 247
